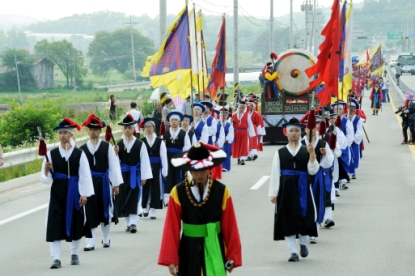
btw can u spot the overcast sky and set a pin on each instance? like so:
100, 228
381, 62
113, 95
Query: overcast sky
52, 9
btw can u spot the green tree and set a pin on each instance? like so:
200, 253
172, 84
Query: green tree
112, 50
19, 125
17, 39
3, 39
64, 55
25, 63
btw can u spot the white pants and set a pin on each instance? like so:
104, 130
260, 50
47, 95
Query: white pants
328, 213
90, 242
290, 240
253, 152
55, 248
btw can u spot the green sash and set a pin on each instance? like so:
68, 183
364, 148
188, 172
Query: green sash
213, 255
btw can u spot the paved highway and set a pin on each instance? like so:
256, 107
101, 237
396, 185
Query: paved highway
374, 232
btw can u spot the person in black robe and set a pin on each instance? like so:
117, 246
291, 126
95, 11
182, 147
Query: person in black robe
106, 176
290, 191
200, 222
136, 169
66, 168
153, 191
177, 141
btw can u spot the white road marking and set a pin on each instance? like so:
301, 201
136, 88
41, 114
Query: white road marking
260, 182
4, 221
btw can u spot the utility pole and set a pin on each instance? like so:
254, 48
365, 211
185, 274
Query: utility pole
313, 30
306, 24
132, 47
18, 78
74, 74
163, 25
271, 27
291, 24
235, 42
407, 33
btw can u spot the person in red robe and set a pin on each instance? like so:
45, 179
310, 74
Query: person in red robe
201, 210
253, 141
243, 129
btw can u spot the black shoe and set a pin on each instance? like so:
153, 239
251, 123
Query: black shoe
249, 158
294, 258
56, 264
328, 223
337, 194
242, 162
106, 245
133, 228
74, 260
140, 215
303, 250
255, 157
239, 161
128, 229
89, 248
145, 215
152, 217
353, 176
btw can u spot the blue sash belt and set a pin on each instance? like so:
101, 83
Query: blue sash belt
106, 193
72, 200
376, 101
240, 128
135, 176
302, 187
323, 182
157, 160
174, 150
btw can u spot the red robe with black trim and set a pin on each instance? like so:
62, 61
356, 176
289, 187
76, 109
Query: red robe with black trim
241, 145
253, 141
188, 252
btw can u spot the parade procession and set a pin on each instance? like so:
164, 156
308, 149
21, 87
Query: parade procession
293, 167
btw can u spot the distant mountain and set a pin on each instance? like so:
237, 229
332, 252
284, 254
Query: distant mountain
7, 21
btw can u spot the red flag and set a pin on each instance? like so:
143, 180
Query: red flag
367, 55
327, 66
217, 75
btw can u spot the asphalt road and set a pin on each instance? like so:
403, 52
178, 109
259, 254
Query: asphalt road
374, 232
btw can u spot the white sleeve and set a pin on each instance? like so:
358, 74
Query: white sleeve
231, 135
327, 161
163, 156
221, 139
350, 132
213, 127
274, 182
114, 173
313, 168
358, 136
86, 187
204, 137
145, 165
187, 144
194, 140
341, 140
183, 109
43, 178
251, 130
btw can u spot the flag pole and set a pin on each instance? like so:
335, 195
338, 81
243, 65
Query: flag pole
190, 58
197, 52
203, 59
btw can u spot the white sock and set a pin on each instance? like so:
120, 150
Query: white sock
75, 247
303, 239
55, 250
105, 232
90, 242
152, 212
292, 247
133, 219
166, 198
328, 213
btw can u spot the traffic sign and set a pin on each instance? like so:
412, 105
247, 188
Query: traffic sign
404, 37
392, 35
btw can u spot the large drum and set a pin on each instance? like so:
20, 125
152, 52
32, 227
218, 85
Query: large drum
291, 66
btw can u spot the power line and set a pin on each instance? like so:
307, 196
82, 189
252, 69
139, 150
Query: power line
216, 5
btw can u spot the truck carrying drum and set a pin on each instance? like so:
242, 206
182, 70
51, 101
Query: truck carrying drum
290, 95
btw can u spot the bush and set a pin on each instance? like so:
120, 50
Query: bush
147, 108
19, 126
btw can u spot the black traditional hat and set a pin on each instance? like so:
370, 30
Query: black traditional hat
294, 122
128, 121
207, 104
188, 117
175, 114
94, 122
269, 64
199, 157
68, 125
148, 120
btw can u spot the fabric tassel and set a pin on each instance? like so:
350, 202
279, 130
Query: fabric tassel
338, 122
42, 148
135, 133
162, 129
332, 141
322, 131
